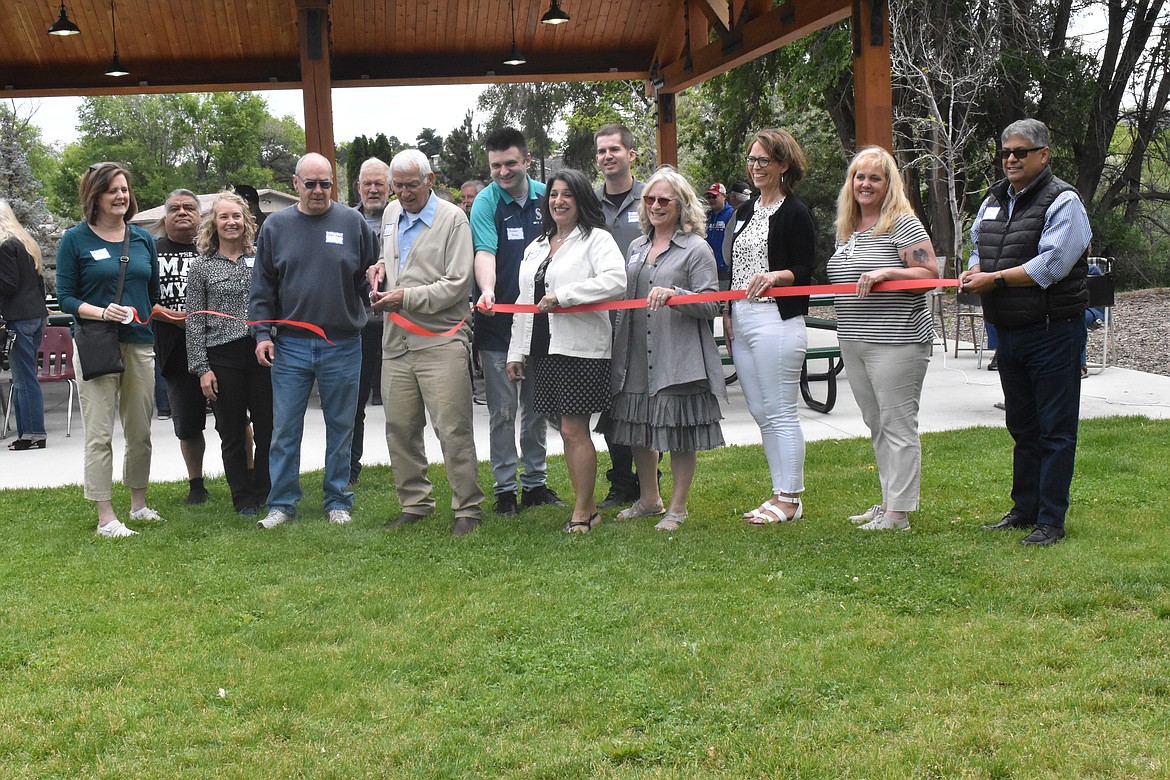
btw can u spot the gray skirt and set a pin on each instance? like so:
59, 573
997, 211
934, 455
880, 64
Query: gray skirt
686, 420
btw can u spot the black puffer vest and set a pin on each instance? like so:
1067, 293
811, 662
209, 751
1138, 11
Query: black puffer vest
1005, 243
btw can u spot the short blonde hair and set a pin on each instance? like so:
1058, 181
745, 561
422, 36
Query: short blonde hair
895, 204
692, 214
207, 240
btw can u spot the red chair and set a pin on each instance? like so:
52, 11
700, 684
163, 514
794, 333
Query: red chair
54, 364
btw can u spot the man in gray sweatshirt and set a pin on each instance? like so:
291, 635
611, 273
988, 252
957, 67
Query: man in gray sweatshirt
310, 268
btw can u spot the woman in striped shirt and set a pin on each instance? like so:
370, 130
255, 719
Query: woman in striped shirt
885, 336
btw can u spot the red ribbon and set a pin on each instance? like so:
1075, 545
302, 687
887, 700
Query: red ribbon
633, 303
730, 295
306, 325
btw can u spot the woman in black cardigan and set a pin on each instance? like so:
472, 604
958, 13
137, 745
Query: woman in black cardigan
773, 247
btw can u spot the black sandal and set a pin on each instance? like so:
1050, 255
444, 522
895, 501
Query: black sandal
20, 445
583, 526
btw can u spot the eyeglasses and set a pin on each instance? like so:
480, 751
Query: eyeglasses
406, 185
662, 201
758, 162
312, 184
1019, 153
710, 196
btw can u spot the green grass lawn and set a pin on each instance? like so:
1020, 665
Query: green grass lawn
206, 648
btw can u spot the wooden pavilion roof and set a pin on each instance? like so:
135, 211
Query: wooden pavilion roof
197, 45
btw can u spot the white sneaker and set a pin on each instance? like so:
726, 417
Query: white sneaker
115, 530
873, 513
339, 516
146, 515
885, 522
274, 518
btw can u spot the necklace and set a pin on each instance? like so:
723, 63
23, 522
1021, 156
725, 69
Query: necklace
559, 239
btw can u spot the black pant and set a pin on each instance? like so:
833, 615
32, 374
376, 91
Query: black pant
245, 392
371, 376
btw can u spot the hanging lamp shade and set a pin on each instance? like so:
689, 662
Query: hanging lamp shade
554, 15
64, 26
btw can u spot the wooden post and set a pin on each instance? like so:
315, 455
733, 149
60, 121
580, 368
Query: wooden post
872, 91
316, 80
667, 133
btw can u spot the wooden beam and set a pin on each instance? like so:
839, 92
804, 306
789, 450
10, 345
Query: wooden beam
762, 34
872, 90
670, 42
316, 78
717, 12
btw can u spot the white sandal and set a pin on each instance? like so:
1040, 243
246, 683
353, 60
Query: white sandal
770, 513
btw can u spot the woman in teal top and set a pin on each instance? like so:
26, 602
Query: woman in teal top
87, 280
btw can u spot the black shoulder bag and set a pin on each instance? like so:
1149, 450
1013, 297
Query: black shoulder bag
97, 340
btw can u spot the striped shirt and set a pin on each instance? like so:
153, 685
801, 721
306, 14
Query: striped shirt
880, 317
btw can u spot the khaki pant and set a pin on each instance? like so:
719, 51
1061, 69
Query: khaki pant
131, 393
435, 381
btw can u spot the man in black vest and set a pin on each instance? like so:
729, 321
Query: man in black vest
1029, 264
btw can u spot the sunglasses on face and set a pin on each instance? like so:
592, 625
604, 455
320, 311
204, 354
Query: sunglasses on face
312, 184
1019, 153
662, 201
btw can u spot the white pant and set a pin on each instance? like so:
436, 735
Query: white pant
886, 380
769, 352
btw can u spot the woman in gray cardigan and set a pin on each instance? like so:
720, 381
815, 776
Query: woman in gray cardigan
666, 375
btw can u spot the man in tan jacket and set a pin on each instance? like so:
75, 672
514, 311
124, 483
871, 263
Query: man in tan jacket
426, 268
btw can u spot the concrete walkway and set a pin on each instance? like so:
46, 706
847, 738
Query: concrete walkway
957, 394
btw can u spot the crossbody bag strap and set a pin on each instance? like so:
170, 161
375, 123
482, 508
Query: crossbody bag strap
123, 261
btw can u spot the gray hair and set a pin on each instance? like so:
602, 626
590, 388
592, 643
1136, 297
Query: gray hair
374, 164
182, 193
410, 158
479, 185
1033, 130
692, 215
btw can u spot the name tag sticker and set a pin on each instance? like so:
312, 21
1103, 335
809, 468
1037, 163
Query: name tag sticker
632, 217
387, 230
334, 237
991, 213
515, 234
739, 223
249, 261
100, 254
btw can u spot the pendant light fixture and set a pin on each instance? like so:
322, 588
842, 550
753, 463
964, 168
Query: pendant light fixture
115, 68
554, 15
515, 58
64, 26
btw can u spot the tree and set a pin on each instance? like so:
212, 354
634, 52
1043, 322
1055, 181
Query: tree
463, 157
20, 187
533, 108
198, 141
945, 62
429, 142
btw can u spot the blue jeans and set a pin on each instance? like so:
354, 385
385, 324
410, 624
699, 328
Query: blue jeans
503, 398
1040, 372
26, 398
337, 369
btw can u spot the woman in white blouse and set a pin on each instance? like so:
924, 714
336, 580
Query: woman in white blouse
576, 261
885, 336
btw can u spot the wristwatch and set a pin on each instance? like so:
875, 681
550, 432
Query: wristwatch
1000, 282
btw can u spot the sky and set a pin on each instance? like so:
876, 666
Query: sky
400, 111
